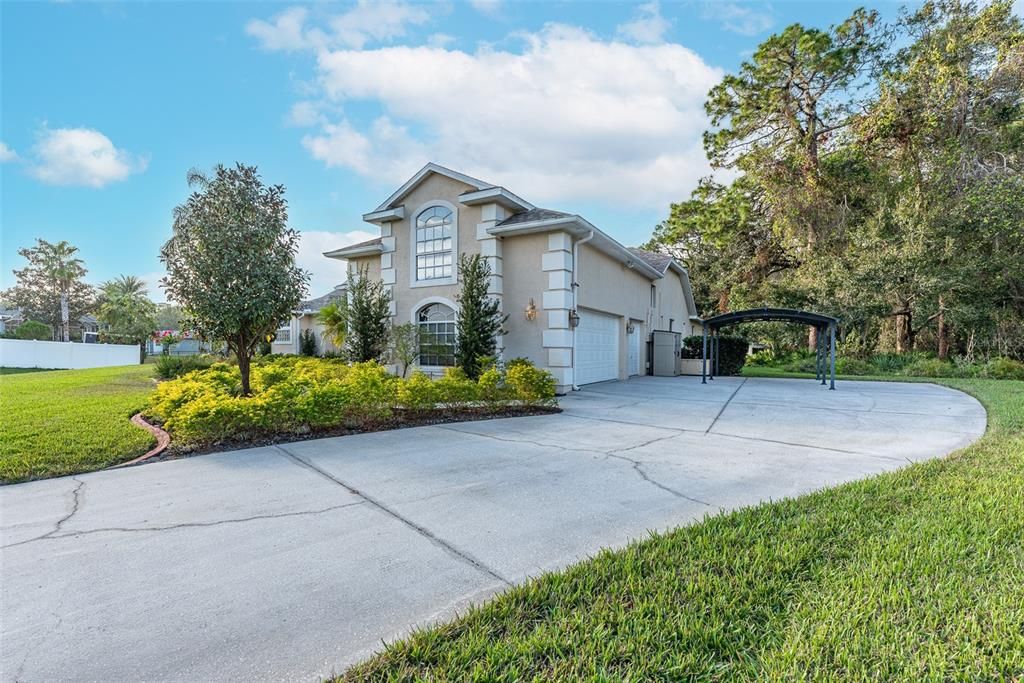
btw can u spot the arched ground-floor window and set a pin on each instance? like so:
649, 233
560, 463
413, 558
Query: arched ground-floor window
437, 335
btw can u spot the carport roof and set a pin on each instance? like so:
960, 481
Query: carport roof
784, 314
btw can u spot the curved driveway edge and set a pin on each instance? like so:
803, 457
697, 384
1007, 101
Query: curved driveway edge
291, 562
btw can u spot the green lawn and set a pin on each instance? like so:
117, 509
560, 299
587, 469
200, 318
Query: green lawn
67, 421
911, 575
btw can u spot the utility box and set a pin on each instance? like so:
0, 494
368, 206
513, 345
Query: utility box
667, 346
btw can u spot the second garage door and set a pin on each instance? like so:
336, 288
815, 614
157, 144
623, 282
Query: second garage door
597, 347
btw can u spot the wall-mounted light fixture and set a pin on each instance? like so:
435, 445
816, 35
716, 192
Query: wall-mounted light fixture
630, 328
531, 310
574, 318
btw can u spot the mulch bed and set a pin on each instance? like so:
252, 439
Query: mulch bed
400, 420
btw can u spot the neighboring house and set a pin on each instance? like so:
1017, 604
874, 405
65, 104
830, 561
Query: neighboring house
305, 318
90, 328
580, 304
10, 318
185, 346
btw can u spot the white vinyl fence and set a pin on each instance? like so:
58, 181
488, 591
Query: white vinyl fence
23, 353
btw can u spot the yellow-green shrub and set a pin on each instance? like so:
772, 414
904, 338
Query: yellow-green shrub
531, 385
298, 394
418, 393
455, 390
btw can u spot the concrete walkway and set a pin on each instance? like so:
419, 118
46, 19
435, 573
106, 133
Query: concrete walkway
288, 563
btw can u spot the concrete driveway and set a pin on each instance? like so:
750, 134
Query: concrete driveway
289, 563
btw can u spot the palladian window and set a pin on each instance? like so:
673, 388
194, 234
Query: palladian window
437, 335
434, 244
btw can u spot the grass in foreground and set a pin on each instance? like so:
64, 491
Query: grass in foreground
68, 421
911, 575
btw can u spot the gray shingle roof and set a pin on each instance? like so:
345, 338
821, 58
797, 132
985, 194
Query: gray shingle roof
657, 261
533, 215
319, 302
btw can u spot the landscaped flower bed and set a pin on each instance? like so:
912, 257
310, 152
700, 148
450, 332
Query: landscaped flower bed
297, 396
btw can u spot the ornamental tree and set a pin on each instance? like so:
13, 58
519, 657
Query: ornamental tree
480, 319
231, 261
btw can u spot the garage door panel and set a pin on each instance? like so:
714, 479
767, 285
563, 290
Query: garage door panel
597, 347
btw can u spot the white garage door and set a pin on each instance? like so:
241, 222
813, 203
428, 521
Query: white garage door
597, 347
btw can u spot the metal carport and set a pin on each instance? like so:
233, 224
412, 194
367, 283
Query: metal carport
825, 358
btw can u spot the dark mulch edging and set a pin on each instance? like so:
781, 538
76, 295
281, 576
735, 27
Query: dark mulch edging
399, 420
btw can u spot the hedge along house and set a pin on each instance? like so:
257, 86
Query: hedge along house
286, 340
579, 303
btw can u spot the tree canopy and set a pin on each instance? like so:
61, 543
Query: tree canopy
876, 183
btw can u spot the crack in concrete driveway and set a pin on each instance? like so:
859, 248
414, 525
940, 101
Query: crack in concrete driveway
293, 562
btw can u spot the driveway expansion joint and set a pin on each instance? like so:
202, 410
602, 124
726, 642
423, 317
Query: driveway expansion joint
461, 555
726, 405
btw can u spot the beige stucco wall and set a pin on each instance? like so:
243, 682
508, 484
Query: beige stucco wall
523, 280
298, 324
609, 286
370, 263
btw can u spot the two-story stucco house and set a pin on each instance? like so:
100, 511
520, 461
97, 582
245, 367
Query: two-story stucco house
579, 303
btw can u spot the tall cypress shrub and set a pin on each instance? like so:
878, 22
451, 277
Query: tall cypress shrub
480, 320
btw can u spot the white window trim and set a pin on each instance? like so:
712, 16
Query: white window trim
286, 326
432, 369
413, 282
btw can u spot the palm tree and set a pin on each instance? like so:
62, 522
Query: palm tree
65, 270
126, 286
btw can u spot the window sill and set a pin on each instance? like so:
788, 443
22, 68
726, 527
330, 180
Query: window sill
440, 282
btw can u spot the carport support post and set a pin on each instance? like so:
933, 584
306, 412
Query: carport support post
822, 341
711, 363
832, 346
704, 358
717, 369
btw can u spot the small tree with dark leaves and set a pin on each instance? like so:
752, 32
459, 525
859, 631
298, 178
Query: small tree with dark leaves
231, 261
480, 319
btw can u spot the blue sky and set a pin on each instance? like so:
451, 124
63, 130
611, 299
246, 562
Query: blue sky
593, 107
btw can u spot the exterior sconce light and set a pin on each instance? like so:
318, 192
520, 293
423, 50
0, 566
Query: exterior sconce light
630, 328
574, 318
531, 310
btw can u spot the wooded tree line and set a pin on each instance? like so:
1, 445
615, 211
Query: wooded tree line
877, 177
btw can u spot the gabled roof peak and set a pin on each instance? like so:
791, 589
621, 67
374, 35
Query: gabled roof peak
420, 175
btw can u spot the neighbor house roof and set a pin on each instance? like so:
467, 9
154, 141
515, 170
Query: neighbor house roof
660, 262
359, 249
314, 305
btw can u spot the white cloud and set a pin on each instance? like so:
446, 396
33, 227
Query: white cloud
368, 21
326, 273
7, 154
286, 31
569, 116
439, 39
81, 156
304, 113
741, 19
490, 7
646, 26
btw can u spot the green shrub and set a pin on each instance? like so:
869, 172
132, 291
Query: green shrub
853, 366
929, 367
762, 357
1003, 368
169, 367
531, 385
33, 329
895, 363
732, 351
307, 343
